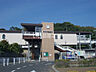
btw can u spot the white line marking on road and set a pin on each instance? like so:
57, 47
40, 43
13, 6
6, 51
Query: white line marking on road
48, 63
18, 68
24, 66
13, 71
33, 71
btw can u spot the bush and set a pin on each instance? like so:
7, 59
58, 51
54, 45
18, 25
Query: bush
10, 50
62, 63
87, 62
80, 63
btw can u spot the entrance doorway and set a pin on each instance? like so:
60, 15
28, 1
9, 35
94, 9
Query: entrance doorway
35, 49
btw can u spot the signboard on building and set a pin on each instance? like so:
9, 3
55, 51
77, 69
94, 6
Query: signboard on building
45, 53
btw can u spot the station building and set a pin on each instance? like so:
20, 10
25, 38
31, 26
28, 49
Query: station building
41, 41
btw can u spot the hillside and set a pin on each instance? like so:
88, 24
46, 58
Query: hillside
67, 26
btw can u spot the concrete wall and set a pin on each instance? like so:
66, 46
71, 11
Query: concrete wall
68, 39
48, 41
13, 38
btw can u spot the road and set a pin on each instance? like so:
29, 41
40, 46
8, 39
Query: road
33, 66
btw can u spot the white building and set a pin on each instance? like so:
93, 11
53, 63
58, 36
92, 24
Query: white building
37, 33
60, 37
65, 38
12, 37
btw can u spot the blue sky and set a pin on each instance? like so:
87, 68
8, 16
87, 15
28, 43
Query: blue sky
78, 12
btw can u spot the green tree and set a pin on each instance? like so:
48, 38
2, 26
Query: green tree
15, 48
67, 26
4, 46
10, 50
14, 29
2, 29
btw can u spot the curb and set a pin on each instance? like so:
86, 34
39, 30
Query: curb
53, 67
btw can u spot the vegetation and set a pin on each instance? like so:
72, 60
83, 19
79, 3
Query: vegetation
2, 29
7, 49
14, 29
15, 48
67, 26
62, 63
80, 63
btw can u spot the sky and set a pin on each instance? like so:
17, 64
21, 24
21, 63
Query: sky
78, 12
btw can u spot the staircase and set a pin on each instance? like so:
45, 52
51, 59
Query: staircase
69, 49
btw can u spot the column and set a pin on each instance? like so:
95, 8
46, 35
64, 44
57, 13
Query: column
79, 41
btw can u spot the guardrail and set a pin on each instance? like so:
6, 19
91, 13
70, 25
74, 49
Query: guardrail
29, 33
6, 61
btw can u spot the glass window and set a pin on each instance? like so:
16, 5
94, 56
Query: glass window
56, 37
3, 36
61, 37
37, 29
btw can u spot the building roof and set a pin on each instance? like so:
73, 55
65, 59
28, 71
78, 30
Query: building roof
71, 32
64, 32
30, 24
6, 31
83, 32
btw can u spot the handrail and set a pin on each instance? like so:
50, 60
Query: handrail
30, 33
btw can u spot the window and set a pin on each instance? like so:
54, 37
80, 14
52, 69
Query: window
3, 36
37, 29
61, 37
56, 37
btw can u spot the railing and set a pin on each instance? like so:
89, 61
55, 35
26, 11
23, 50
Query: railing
29, 33
89, 55
83, 39
5, 61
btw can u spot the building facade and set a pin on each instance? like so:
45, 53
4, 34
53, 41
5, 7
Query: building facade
40, 41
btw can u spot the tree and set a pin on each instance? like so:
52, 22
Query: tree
15, 48
2, 29
14, 29
4, 46
67, 26
10, 50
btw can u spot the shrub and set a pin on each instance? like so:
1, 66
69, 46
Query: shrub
62, 63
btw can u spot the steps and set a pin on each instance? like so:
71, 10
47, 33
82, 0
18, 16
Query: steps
69, 49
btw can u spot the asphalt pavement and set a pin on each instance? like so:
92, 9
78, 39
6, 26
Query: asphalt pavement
33, 66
